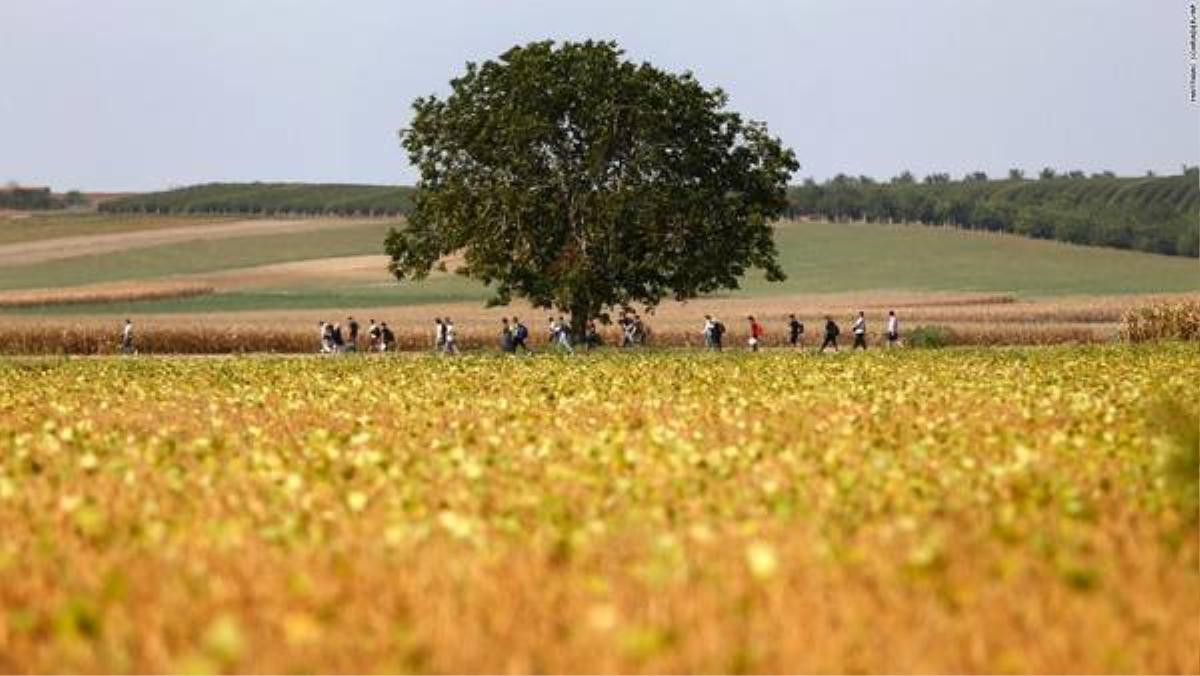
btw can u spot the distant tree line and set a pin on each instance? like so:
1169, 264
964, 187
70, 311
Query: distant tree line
1151, 213
13, 196
1146, 213
270, 199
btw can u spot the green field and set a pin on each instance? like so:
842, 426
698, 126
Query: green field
825, 257
198, 256
818, 257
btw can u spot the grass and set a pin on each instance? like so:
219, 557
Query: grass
825, 257
50, 226
973, 511
818, 257
197, 257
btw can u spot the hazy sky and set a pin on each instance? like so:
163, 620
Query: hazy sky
126, 94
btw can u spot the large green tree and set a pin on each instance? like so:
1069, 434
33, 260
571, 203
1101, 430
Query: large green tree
567, 175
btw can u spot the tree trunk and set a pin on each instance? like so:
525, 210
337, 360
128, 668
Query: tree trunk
580, 314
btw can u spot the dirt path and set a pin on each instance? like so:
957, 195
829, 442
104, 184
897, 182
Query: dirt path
20, 253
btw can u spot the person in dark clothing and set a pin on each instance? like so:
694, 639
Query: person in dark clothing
795, 330
388, 338
507, 344
352, 343
520, 335
831, 334
339, 342
591, 336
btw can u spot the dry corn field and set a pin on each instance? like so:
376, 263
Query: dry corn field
973, 510
971, 319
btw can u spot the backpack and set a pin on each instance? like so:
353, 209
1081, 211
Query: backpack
522, 332
718, 329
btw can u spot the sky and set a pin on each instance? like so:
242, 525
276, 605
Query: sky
150, 94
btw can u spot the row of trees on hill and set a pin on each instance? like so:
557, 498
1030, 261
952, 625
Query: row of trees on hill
270, 199
13, 196
1151, 213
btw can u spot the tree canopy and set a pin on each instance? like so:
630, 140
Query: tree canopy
572, 177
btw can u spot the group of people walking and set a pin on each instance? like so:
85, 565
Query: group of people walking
514, 335
380, 337
714, 332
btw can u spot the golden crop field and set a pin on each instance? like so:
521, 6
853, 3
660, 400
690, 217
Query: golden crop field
962, 510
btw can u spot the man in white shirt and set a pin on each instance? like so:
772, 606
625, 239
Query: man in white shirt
893, 329
127, 337
708, 332
860, 332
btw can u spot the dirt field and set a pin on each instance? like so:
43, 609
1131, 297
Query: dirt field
22, 253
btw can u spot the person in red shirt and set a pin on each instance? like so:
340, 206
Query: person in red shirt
756, 333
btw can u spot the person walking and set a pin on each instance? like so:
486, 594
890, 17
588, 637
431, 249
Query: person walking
507, 344
451, 340
565, 339
326, 333
339, 341
756, 333
893, 330
831, 334
795, 330
387, 339
439, 334
708, 331
352, 327
591, 336
626, 324
860, 332
718, 333
520, 335
127, 337
373, 342
560, 335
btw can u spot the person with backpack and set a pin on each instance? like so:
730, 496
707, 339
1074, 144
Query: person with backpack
387, 339
893, 330
373, 337
451, 336
626, 324
352, 343
795, 330
127, 337
338, 341
831, 334
860, 332
756, 333
507, 345
560, 335
520, 335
